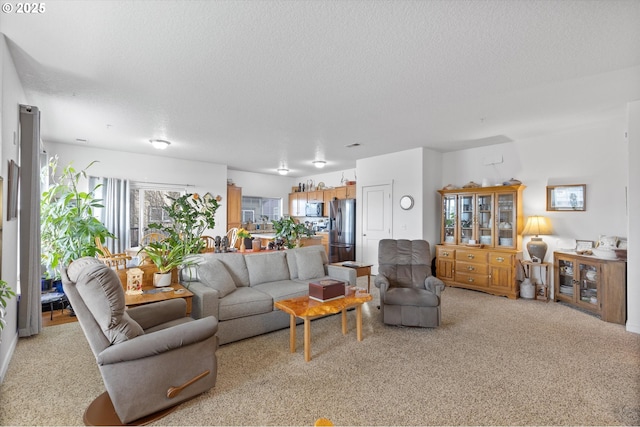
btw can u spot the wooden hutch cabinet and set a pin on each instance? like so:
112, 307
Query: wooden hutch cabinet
481, 242
593, 284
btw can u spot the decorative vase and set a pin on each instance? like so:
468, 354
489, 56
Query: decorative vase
527, 289
162, 280
242, 246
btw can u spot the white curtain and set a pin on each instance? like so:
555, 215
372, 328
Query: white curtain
115, 214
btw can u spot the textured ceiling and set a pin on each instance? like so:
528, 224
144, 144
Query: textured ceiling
255, 84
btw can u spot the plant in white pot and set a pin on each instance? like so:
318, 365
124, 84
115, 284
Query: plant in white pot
190, 216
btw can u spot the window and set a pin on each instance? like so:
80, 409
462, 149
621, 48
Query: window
147, 207
260, 209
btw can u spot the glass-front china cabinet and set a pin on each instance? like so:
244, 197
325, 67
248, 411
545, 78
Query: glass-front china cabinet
481, 240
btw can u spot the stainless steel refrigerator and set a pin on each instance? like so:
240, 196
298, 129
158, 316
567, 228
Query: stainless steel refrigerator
342, 230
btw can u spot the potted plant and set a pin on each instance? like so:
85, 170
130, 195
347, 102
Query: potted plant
68, 227
6, 293
190, 216
290, 231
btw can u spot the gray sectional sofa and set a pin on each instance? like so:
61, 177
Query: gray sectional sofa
239, 289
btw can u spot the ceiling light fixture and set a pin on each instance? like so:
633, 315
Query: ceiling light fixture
283, 171
159, 144
319, 163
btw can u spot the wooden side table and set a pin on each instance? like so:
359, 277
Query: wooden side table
542, 289
179, 291
361, 270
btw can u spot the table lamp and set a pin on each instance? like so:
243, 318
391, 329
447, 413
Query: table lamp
535, 226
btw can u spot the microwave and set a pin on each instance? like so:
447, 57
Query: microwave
314, 209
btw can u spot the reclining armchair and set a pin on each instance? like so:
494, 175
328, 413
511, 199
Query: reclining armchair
151, 357
409, 294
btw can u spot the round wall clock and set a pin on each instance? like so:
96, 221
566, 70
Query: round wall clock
406, 202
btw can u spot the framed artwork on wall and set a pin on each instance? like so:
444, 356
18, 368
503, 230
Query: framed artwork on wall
12, 197
566, 197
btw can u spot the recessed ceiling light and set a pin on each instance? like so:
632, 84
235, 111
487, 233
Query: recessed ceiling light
355, 144
159, 144
283, 171
319, 163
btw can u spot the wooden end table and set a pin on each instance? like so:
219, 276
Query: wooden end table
308, 309
148, 298
361, 270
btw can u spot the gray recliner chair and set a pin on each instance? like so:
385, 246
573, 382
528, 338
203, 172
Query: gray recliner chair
151, 357
409, 294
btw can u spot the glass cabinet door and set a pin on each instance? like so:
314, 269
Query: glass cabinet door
565, 274
505, 220
484, 219
449, 215
588, 283
466, 218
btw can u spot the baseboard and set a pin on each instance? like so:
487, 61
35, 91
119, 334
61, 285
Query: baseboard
4, 366
633, 327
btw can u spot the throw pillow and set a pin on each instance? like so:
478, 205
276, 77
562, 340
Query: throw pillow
309, 265
268, 267
214, 274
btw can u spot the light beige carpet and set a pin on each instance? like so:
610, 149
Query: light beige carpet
494, 361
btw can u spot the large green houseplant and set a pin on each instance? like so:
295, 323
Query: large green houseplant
190, 216
67, 222
290, 231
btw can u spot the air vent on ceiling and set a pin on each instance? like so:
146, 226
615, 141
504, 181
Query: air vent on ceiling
355, 144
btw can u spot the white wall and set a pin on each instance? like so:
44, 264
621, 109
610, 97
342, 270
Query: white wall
264, 185
12, 96
195, 177
594, 156
633, 256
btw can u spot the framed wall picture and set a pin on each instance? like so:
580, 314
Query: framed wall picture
12, 197
566, 197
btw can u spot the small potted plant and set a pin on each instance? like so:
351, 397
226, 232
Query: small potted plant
6, 293
243, 234
165, 255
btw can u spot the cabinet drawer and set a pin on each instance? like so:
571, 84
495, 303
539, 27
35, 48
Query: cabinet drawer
471, 268
502, 259
472, 279
445, 253
471, 255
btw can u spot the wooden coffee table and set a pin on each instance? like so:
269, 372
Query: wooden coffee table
179, 291
308, 309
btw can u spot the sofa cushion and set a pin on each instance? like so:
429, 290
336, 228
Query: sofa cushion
245, 301
267, 267
309, 264
235, 264
214, 274
284, 289
292, 258
102, 293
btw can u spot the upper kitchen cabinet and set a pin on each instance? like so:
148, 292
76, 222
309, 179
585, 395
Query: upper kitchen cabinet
297, 203
234, 206
487, 216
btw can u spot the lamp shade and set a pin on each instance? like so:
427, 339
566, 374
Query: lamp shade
537, 225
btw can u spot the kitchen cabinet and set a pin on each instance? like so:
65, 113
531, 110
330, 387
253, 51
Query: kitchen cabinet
298, 200
234, 206
593, 284
481, 242
297, 203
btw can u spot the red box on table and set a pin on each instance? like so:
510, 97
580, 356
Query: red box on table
325, 290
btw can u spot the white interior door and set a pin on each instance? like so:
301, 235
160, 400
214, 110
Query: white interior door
376, 221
